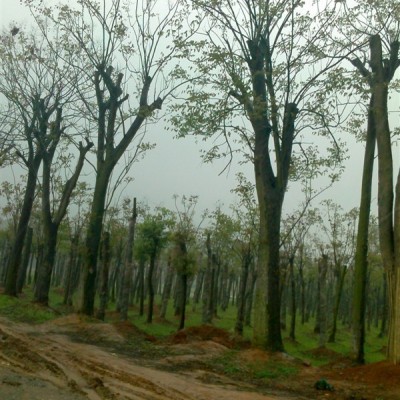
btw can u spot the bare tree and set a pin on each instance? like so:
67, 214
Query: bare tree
35, 88
373, 30
258, 95
130, 54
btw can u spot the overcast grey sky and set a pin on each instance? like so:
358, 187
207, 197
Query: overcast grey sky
175, 166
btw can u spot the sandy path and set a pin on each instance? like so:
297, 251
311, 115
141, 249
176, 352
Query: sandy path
36, 363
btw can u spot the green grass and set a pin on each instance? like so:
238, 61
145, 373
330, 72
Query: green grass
230, 364
224, 320
307, 340
274, 370
23, 310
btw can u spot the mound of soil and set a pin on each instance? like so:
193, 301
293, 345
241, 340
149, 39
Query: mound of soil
127, 330
84, 328
324, 353
208, 333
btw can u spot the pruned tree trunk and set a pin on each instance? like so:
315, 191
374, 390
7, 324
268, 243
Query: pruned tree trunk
45, 268
167, 289
184, 280
384, 308
207, 312
342, 270
93, 236
140, 278
127, 274
322, 299
105, 257
361, 255
241, 306
249, 297
25, 260
302, 285
198, 288
292, 331
388, 199
10, 287
150, 287
71, 270
52, 220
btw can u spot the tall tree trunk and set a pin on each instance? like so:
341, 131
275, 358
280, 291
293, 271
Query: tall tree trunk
198, 288
302, 285
5, 256
207, 314
384, 309
246, 260
72, 262
109, 152
184, 279
268, 271
45, 268
52, 220
388, 211
250, 296
10, 287
361, 255
322, 300
93, 235
338, 296
30, 268
140, 278
216, 274
127, 274
25, 260
178, 293
292, 333
167, 289
105, 257
225, 288
150, 287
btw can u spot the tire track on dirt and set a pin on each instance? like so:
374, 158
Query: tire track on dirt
86, 370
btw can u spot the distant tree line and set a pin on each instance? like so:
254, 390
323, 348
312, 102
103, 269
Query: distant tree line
271, 82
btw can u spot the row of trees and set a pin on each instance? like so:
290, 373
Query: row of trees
272, 80
215, 265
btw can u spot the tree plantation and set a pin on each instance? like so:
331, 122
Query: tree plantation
286, 86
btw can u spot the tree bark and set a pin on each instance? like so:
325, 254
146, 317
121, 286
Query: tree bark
184, 279
72, 263
388, 208
108, 155
105, 258
127, 274
207, 299
45, 268
93, 235
361, 255
292, 332
241, 306
150, 287
322, 300
198, 288
51, 222
25, 261
338, 296
10, 287
167, 289
270, 192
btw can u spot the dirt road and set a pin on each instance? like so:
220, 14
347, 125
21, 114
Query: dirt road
72, 358
41, 362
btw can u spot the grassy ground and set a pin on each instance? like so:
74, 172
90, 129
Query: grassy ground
305, 347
